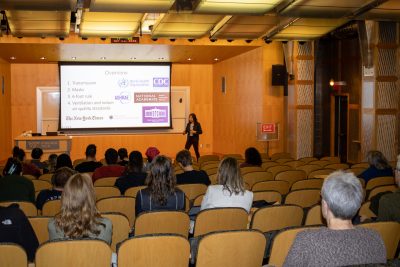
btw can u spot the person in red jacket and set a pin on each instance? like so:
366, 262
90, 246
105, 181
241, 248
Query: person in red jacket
112, 169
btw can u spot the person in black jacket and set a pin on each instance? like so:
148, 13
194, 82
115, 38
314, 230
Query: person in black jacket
193, 130
134, 174
16, 228
189, 176
161, 193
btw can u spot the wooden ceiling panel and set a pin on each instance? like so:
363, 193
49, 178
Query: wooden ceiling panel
389, 10
152, 6
239, 7
38, 5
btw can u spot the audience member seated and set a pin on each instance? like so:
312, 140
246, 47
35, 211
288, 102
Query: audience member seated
64, 160
27, 167
340, 244
51, 163
123, 156
133, 175
161, 193
151, 153
90, 164
252, 158
230, 191
13, 186
112, 169
389, 204
189, 176
36, 155
79, 217
59, 179
16, 228
379, 166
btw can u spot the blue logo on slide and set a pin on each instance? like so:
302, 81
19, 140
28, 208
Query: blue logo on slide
160, 82
123, 83
123, 97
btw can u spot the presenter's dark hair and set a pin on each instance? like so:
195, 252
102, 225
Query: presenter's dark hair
64, 160
252, 156
184, 157
194, 117
91, 151
135, 164
111, 156
13, 166
161, 180
36, 153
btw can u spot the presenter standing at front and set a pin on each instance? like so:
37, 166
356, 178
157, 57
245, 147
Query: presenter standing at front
193, 130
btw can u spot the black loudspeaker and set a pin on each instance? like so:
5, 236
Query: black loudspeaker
279, 75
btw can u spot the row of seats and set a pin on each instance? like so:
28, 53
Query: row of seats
226, 248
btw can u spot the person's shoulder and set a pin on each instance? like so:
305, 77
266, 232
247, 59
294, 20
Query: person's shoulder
106, 221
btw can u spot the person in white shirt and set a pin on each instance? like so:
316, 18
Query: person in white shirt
230, 192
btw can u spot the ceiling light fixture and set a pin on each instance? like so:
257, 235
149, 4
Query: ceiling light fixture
189, 59
13, 58
73, 58
216, 59
42, 58
103, 58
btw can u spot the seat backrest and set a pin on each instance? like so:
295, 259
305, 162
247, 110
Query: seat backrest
269, 196
379, 181
213, 178
105, 181
309, 168
197, 201
291, 176
254, 177
337, 166
281, 245
205, 158
331, 159
364, 165
280, 186
121, 228
245, 170
124, 205
132, 191
314, 216
236, 156
106, 191
40, 226
279, 168
27, 207
276, 217
29, 176
67, 253
268, 164
12, 255
283, 160
46, 177
78, 161
313, 183
193, 190
280, 155
294, 163
231, 248
356, 171
162, 222
321, 163
390, 233
51, 208
365, 211
380, 189
41, 185
308, 159
209, 165
154, 250
211, 171
220, 219
314, 174
304, 198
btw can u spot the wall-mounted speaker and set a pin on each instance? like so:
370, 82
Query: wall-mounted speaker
279, 75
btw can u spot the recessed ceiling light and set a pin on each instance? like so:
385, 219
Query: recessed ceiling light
13, 58
103, 58
132, 58
73, 58
189, 59
42, 58
216, 59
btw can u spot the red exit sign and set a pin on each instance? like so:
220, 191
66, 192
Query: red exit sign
268, 128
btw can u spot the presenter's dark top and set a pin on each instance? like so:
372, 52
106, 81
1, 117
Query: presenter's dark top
145, 202
373, 172
193, 177
16, 188
88, 166
130, 180
196, 128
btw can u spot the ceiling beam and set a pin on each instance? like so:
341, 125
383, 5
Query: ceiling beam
364, 9
280, 27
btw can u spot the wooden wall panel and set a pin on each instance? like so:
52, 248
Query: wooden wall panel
249, 99
26, 77
5, 110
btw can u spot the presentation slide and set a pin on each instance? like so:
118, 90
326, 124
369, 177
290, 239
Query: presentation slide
114, 96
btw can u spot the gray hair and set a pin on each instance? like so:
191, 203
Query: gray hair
343, 194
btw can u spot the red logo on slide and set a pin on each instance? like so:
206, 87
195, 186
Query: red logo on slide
268, 128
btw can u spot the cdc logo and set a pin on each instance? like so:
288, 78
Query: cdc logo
123, 97
160, 82
123, 83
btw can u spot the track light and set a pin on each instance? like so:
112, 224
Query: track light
191, 40
61, 38
249, 41
84, 38
267, 41
172, 40
103, 38
213, 40
154, 39
230, 40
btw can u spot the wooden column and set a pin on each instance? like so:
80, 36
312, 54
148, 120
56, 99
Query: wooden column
301, 102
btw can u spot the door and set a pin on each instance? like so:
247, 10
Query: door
340, 129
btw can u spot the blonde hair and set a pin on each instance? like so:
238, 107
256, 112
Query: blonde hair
229, 176
78, 216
